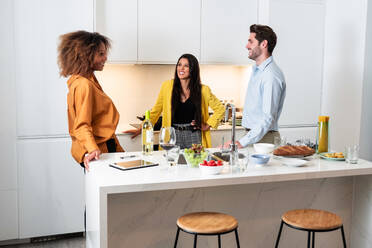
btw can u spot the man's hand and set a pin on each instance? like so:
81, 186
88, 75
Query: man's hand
134, 132
91, 156
227, 145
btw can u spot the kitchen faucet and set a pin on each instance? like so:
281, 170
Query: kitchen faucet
233, 147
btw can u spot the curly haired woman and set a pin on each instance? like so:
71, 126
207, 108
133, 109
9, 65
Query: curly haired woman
92, 116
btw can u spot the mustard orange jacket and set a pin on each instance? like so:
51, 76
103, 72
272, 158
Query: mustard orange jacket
92, 117
163, 106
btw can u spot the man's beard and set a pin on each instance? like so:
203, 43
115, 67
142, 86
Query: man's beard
256, 52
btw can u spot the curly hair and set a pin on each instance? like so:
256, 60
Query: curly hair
76, 52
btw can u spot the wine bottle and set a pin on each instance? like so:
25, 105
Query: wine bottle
147, 135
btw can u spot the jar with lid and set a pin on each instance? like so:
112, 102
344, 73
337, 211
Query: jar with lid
322, 134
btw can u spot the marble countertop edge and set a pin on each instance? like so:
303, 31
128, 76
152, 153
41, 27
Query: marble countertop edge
215, 181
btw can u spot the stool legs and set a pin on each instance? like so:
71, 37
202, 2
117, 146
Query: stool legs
237, 238
196, 237
175, 242
313, 245
280, 233
343, 236
310, 236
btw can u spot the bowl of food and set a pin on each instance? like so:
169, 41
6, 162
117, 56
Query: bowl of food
195, 155
263, 148
211, 167
260, 159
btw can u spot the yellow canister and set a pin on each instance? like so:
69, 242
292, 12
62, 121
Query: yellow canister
323, 134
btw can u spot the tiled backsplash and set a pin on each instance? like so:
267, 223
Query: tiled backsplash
134, 88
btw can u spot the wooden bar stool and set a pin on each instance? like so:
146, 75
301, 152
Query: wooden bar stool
207, 223
312, 221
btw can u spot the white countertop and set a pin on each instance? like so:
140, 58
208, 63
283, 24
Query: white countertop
111, 180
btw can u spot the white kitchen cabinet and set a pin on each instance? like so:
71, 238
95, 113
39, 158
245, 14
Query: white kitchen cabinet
299, 26
167, 29
225, 30
41, 92
8, 215
8, 165
51, 188
118, 21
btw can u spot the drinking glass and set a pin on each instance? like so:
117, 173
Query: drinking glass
243, 158
167, 138
173, 155
279, 141
352, 154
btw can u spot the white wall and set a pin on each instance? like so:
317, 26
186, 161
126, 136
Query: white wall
343, 69
134, 88
366, 119
362, 215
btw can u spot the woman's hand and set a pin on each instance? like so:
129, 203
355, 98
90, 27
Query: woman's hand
91, 156
204, 126
134, 132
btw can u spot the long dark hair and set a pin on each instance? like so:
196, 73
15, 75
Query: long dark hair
194, 87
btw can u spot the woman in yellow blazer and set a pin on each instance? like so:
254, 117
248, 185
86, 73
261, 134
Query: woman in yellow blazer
92, 116
183, 104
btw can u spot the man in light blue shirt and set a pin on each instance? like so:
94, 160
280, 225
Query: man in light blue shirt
266, 89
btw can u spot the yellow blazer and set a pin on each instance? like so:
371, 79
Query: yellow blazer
163, 106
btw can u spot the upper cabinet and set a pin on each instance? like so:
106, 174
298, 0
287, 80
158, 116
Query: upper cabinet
159, 32
41, 92
167, 29
118, 21
299, 26
225, 30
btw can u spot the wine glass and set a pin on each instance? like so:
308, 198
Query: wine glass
167, 138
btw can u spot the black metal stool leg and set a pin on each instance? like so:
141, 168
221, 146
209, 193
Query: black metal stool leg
195, 238
313, 245
237, 238
219, 241
178, 232
308, 239
280, 233
343, 236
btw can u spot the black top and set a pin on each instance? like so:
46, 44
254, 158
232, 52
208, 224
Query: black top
185, 112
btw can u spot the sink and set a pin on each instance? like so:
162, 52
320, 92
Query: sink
224, 156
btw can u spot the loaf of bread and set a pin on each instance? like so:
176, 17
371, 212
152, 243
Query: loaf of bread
294, 151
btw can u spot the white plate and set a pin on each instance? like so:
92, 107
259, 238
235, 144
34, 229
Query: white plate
294, 162
301, 157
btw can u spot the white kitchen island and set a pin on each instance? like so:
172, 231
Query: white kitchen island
139, 208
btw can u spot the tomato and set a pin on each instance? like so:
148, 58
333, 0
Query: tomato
211, 163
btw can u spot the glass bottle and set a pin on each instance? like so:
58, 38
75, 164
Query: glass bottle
147, 135
323, 134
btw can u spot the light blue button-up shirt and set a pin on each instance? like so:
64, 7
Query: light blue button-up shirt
263, 101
